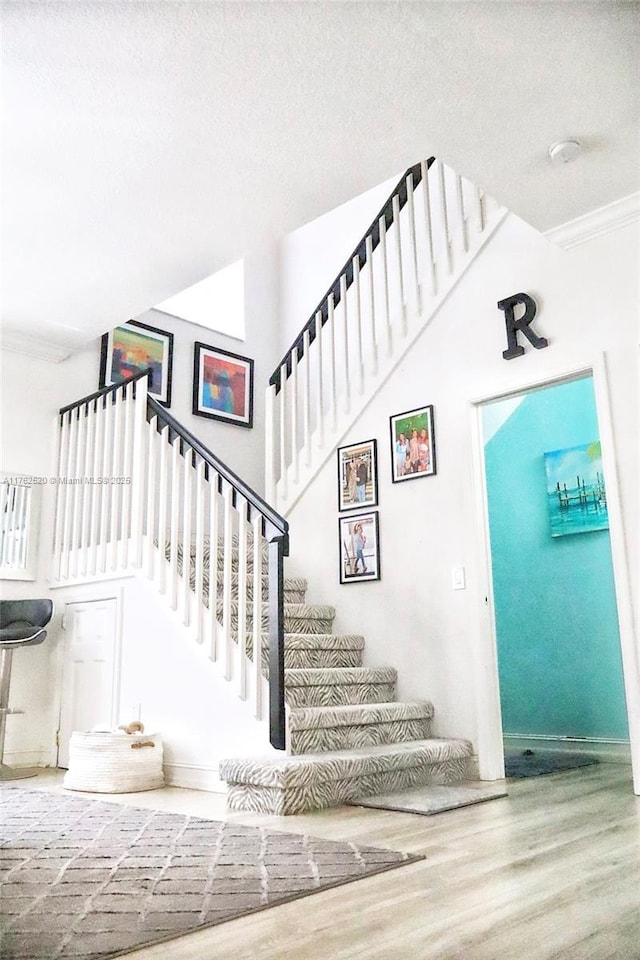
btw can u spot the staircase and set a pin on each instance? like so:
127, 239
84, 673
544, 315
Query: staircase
347, 735
344, 733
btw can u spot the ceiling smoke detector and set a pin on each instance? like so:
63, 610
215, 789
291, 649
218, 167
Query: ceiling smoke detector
564, 151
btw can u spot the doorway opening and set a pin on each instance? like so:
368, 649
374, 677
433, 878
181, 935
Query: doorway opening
560, 676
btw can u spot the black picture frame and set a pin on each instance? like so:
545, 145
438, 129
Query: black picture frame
222, 385
358, 462
134, 346
352, 555
415, 428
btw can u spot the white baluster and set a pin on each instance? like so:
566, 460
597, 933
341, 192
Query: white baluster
94, 491
320, 383
199, 548
214, 481
382, 226
107, 417
293, 410
113, 471
396, 219
283, 429
58, 525
175, 516
331, 331
345, 325
136, 489
257, 617
76, 490
152, 494
479, 205
164, 449
358, 320
68, 504
461, 213
270, 443
241, 675
444, 215
227, 653
85, 516
372, 305
125, 490
187, 476
306, 409
413, 245
428, 227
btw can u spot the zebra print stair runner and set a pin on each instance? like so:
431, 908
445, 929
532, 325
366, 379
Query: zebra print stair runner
294, 784
348, 736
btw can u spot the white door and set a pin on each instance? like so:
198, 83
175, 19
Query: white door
89, 674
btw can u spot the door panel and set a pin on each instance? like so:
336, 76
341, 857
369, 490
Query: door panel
89, 682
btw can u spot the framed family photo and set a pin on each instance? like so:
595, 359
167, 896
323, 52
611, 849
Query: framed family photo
222, 385
413, 444
357, 475
134, 346
359, 548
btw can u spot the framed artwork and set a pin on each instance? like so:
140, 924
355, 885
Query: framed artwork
222, 385
413, 444
357, 475
576, 494
359, 548
128, 349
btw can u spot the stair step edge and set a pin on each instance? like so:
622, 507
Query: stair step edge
332, 676
310, 718
286, 772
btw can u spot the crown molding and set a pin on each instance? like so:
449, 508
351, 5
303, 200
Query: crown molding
34, 347
596, 224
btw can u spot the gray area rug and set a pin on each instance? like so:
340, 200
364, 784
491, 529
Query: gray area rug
536, 763
88, 879
428, 800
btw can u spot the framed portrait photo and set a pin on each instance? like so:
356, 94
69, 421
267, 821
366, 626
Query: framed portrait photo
359, 548
357, 475
133, 347
413, 444
222, 385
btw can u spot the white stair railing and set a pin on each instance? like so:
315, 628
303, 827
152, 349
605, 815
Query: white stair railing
137, 493
429, 231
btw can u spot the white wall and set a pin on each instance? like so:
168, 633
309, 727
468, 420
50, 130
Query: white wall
312, 256
411, 619
31, 393
166, 680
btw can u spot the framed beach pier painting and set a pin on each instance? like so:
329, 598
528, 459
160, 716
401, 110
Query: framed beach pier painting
576, 494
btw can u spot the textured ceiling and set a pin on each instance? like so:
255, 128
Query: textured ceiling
147, 144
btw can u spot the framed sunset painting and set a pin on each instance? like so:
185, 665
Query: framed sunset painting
133, 347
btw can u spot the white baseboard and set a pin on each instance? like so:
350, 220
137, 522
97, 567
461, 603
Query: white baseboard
193, 776
607, 751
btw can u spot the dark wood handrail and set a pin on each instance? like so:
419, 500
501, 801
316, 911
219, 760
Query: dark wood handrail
278, 538
112, 388
399, 191
176, 429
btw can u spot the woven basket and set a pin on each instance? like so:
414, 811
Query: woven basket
114, 762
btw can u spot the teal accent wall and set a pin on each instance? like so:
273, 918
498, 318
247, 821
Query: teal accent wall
556, 620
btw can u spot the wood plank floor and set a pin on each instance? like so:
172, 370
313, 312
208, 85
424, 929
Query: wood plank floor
551, 872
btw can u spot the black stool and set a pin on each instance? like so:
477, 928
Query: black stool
22, 624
